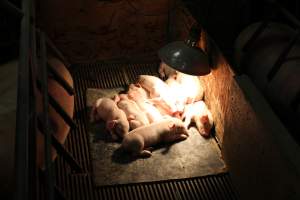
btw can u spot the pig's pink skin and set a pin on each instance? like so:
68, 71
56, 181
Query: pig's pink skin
204, 125
199, 113
163, 106
140, 96
155, 86
190, 85
139, 140
137, 92
159, 92
116, 120
134, 114
177, 92
149, 109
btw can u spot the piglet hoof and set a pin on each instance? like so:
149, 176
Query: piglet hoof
186, 125
145, 154
182, 137
149, 149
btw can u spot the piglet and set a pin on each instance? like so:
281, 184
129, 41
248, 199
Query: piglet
116, 120
179, 95
140, 140
189, 88
134, 114
199, 113
152, 113
154, 85
137, 93
159, 92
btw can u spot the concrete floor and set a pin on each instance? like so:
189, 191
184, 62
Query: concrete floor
8, 100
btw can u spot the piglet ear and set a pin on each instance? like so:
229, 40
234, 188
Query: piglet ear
110, 124
138, 85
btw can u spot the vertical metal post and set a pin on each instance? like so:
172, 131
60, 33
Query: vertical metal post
33, 122
47, 134
22, 114
32, 135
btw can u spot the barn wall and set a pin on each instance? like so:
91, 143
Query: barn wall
91, 30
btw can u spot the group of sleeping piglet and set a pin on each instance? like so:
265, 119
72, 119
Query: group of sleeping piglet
154, 111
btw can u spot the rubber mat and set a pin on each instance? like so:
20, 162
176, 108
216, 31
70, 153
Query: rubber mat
192, 157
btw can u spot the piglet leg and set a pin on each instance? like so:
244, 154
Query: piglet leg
187, 120
202, 124
145, 153
135, 124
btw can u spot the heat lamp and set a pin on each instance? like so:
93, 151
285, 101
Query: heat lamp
185, 56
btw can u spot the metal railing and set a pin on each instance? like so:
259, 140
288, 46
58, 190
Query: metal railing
33, 73
23, 110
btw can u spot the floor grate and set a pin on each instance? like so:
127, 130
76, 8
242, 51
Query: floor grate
80, 186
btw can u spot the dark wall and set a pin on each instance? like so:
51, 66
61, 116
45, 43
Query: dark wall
9, 33
225, 19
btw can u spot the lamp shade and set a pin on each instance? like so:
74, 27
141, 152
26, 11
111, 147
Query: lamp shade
185, 58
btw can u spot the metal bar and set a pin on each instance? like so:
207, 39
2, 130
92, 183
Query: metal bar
58, 194
61, 150
33, 170
60, 80
22, 114
47, 135
67, 156
287, 14
11, 8
55, 50
33, 125
282, 56
58, 108
255, 35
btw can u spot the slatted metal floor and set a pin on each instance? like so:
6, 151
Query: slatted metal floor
80, 186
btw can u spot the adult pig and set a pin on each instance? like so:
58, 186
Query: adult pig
59, 127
